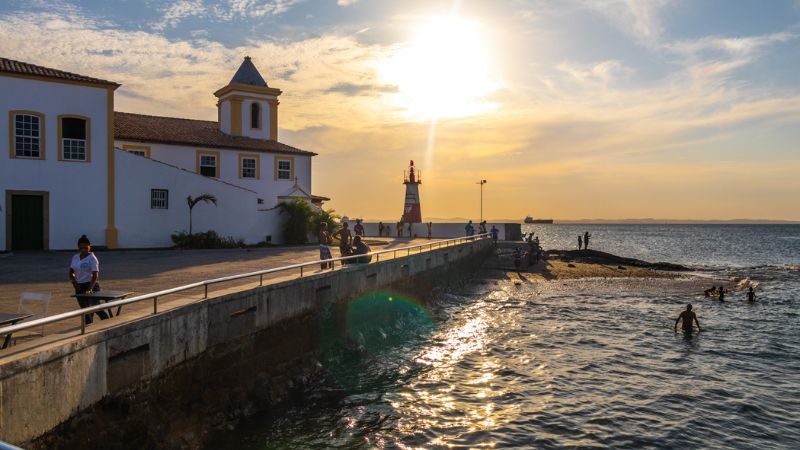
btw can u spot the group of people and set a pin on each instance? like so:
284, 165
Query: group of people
532, 255
583, 241
349, 244
720, 292
401, 227
689, 318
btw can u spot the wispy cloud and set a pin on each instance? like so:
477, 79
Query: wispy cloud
175, 12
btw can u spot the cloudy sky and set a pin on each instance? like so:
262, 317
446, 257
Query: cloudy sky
674, 109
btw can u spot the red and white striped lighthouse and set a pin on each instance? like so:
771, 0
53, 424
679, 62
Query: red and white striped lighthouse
412, 212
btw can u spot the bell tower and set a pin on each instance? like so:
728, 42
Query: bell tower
247, 106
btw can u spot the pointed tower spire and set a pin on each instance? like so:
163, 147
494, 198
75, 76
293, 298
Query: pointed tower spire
247, 106
248, 74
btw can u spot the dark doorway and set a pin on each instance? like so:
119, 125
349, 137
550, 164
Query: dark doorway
27, 221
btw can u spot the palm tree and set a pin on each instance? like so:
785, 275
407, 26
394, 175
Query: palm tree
207, 198
298, 224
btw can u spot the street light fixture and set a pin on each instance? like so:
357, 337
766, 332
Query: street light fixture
482, 182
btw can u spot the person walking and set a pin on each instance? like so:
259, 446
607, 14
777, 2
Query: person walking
687, 317
84, 273
324, 239
410, 229
580, 242
430, 228
495, 232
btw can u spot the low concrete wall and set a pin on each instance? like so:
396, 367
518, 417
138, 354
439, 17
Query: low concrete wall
44, 387
439, 230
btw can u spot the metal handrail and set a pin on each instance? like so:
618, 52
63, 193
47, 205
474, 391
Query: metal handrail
205, 283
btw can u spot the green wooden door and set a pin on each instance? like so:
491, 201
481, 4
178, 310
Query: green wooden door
27, 222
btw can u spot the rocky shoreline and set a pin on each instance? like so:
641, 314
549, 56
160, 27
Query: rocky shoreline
572, 264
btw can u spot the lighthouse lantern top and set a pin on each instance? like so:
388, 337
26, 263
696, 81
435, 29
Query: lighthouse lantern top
413, 176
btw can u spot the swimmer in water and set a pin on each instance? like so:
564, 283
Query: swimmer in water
710, 292
721, 294
751, 295
688, 317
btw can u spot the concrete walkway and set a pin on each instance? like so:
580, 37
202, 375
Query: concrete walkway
144, 271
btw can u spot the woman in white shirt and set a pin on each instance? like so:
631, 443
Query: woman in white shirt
84, 271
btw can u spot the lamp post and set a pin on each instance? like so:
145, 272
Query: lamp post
482, 182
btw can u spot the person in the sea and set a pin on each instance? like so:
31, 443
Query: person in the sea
751, 294
710, 292
687, 317
361, 248
586, 237
344, 237
495, 232
721, 292
580, 242
84, 273
324, 239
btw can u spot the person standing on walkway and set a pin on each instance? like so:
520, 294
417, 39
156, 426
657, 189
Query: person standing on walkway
580, 242
358, 229
324, 241
410, 229
344, 236
687, 317
400, 228
469, 229
84, 273
495, 232
586, 237
380, 229
430, 228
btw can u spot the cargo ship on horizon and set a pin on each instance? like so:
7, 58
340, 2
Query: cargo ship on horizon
531, 220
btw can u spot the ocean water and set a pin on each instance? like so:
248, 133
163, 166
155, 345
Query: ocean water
587, 363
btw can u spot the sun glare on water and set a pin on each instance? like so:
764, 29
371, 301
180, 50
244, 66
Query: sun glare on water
444, 72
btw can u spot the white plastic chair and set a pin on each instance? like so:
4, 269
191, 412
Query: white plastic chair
27, 305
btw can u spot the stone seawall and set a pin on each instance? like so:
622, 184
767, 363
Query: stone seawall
167, 380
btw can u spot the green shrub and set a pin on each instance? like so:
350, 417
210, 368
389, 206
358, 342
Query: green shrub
209, 239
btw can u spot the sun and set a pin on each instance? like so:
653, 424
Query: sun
443, 72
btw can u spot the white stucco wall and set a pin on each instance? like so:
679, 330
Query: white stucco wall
267, 187
77, 190
236, 214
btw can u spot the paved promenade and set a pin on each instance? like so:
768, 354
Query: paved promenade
144, 271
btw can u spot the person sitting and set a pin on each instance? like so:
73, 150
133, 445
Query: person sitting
361, 248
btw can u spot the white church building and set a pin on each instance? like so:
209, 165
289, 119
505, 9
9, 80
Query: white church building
75, 166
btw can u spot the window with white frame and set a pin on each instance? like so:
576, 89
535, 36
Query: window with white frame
208, 165
249, 168
27, 136
159, 199
284, 169
73, 139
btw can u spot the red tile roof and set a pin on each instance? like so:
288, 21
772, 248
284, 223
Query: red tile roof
195, 133
22, 68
